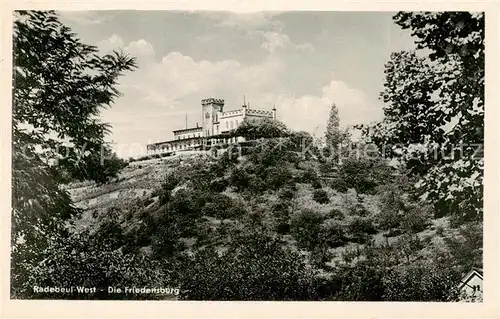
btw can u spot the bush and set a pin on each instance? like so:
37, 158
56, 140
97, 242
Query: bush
219, 184
281, 209
332, 235
239, 178
283, 228
422, 281
222, 206
171, 181
84, 260
309, 176
338, 184
256, 185
371, 280
276, 177
416, 218
389, 219
359, 210
287, 192
466, 248
316, 184
359, 228
335, 214
321, 196
255, 266
364, 174
305, 228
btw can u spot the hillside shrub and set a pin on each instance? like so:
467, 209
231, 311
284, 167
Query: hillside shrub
84, 260
416, 218
332, 234
254, 266
222, 206
239, 178
359, 229
466, 247
305, 228
281, 209
218, 184
372, 280
388, 219
283, 228
338, 184
309, 176
421, 281
287, 192
321, 196
335, 213
171, 181
276, 177
363, 174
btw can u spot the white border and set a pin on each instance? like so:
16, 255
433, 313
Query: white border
188, 309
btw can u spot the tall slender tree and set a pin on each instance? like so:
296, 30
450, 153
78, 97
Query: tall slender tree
333, 134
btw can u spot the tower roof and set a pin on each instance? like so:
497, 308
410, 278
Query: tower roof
212, 100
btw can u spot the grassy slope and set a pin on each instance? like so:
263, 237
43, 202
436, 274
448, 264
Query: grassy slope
136, 183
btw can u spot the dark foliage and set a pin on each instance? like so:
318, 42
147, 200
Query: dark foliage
60, 85
360, 229
305, 228
321, 196
253, 267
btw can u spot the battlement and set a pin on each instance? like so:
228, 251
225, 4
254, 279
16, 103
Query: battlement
259, 112
212, 100
229, 113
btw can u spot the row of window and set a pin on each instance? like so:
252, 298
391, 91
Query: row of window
188, 136
175, 147
229, 125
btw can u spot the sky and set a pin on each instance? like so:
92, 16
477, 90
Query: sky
301, 62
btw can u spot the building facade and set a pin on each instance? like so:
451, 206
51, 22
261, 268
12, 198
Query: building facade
472, 284
215, 126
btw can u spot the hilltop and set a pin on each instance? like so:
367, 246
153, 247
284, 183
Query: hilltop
335, 221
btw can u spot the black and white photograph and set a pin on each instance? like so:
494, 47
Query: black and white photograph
173, 155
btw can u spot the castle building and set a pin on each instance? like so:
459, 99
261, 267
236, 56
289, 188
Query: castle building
215, 126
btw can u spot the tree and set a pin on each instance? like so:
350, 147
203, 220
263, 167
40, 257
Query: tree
434, 113
60, 86
333, 134
267, 128
82, 259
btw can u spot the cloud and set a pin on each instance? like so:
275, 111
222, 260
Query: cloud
112, 43
246, 21
161, 92
276, 40
310, 113
305, 47
140, 48
87, 17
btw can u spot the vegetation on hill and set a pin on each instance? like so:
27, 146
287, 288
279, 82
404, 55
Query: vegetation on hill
278, 218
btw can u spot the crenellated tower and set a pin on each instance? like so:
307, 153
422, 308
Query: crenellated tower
210, 109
